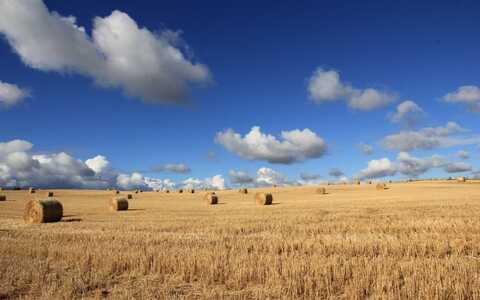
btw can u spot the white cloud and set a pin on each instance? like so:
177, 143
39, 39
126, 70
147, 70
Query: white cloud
429, 138
365, 148
335, 172
457, 167
98, 164
369, 99
118, 54
463, 154
468, 95
407, 111
216, 182
268, 177
296, 145
160, 184
378, 168
174, 168
19, 167
131, 181
11, 94
326, 85
239, 177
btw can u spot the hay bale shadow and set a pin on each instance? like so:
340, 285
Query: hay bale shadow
72, 220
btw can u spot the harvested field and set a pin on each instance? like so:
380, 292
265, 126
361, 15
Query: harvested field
413, 241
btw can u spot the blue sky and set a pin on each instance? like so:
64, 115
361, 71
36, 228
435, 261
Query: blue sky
259, 61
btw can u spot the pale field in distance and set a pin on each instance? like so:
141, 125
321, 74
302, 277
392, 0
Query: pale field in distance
413, 241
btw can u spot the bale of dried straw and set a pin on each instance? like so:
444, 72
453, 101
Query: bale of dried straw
31, 190
211, 198
136, 191
116, 192
263, 198
192, 191
167, 191
180, 191
43, 211
129, 196
321, 191
3, 198
243, 191
381, 186
118, 203
49, 194
461, 179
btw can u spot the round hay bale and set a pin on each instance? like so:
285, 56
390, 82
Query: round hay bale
461, 179
370, 182
321, 191
180, 191
43, 211
31, 191
129, 196
192, 191
118, 203
263, 198
357, 182
211, 198
141, 191
49, 194
3, 198
243, 191
167, 191
381, 186
136, 191
116, 192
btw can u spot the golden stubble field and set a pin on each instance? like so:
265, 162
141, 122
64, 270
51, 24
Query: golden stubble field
413, 241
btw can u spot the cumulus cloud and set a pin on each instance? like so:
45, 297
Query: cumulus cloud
269, 177
11, 94
119, 53
365, 148
326, 86
408, 112
159, 184
457, 167
19, 167
413, 167
378, 168
216, 182
98, 164
429, 138
335, 172
239, 177
468, 95
295, 146
174, 168
463, 154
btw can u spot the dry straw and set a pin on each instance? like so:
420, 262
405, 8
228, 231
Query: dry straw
167, 191
43, 211
118, 203
211, 198
3, 198
263, 198
180, 191
129, 196
31, 190
49, 194
243, 191
192, 191
381, 186
116, 192
321, 190
461, 179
